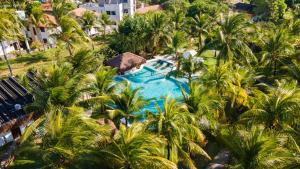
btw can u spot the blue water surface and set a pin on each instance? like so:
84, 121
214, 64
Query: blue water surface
154, 85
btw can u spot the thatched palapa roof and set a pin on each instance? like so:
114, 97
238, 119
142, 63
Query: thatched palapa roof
125, 61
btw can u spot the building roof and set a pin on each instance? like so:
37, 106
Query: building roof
50, 21
13, 97
125, 61
78, 12
151, 8
47, 7
102, 2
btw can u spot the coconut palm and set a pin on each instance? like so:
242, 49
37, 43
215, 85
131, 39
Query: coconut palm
217, 79
61, 8
55, 87
231, 40
133, 148
10, 28
159, 32
276, 50
126, 103
104, 21
178, 41
100, 87
199, 100
84, 61
65, 137
253, 149
200, 25
70, 32
278, 107
88, 21
179, 20
181, 131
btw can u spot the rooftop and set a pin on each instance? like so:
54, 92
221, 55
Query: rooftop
147, 9
13, 97
125, 61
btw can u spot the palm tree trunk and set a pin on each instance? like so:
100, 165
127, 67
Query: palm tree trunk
200, 42
218, 58
169, 151
104, 31
5, 57
126, 121
275, 68
69, 49
26, 43
190, 80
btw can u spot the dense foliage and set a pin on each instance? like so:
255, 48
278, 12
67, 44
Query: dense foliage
244, 101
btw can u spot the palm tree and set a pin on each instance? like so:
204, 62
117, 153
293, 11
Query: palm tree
84, 61
70, 32
126, 103
134, 148
100, 87
61, 8
192, 65
179, 20
278, 107
181, 131
159, 32
59, 139
199, 100
200, 25
218, 79
104, 21
231, 40
276, 50
55, 88
178, 41
10, 28
253, 149
88, 21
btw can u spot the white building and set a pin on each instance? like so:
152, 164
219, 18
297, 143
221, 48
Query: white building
116, 9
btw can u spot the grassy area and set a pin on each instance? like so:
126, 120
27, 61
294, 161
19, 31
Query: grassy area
35, 59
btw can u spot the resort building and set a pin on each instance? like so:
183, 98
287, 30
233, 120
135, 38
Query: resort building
43, 32
116, 9
78, 13
13, 120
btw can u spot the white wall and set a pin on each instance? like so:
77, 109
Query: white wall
8, 48
93, 7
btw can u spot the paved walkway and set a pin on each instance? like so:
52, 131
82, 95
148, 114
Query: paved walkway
220, 160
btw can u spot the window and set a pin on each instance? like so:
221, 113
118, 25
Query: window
125, 1
125, 11
42, 29
110, 12
45, 40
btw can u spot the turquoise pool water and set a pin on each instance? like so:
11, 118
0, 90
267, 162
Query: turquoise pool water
154, 85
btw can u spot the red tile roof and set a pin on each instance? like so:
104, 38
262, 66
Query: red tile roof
147, 9
50, 21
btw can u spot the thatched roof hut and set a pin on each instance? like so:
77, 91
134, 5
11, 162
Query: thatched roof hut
125, 61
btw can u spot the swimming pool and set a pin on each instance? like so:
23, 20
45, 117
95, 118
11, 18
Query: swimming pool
154, 85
